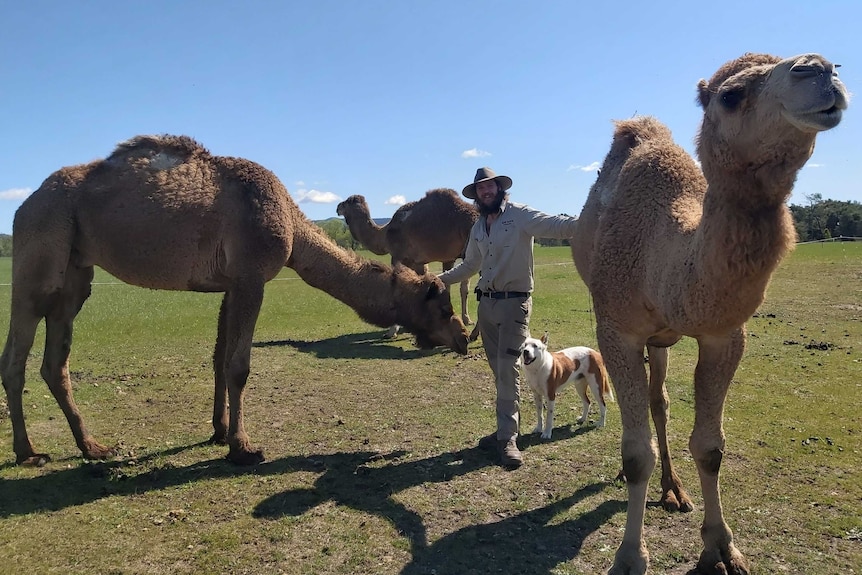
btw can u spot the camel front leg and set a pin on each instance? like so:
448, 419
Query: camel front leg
624, 360
241, 308
465, 297
673, 495
717, 361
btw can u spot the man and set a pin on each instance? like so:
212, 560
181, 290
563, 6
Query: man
500, 248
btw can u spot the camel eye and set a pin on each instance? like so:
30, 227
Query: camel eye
731, 99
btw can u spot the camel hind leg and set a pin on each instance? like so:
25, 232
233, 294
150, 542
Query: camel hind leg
231, 365
673, 495
45, 285
13, 363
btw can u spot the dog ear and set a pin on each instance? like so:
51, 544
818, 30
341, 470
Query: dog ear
544, 338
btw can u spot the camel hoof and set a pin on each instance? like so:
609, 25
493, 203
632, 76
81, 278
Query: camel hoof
218, 439
673, 501
35, 460
246, 457
630, 560
711, 563
93, 450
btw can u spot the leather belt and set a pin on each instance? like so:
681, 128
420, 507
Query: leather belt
505, 294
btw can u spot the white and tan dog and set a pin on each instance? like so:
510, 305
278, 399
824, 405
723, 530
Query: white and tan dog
547, 373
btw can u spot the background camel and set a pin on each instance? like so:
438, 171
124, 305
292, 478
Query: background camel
668, 251
434, 228
163, 213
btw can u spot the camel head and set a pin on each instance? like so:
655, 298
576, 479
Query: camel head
424, 308
354, 205
764, 112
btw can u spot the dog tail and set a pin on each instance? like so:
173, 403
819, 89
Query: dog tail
604, 384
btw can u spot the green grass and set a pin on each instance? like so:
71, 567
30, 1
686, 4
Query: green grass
371, 466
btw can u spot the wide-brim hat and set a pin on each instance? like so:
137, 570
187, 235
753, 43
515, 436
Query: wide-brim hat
483, 175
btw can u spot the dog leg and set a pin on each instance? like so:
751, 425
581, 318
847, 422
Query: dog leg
539, 400
581, 386
600, 399
549, 420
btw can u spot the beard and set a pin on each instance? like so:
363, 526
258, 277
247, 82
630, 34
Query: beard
485, 210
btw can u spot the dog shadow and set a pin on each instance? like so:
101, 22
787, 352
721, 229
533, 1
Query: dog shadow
567, 431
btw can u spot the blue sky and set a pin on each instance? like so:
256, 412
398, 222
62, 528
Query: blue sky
391, 98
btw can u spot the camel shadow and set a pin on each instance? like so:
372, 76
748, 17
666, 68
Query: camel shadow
345, 477
340, 473
82, 483
366, 482
368, 345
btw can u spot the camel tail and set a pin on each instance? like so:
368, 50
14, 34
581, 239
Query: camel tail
605, 384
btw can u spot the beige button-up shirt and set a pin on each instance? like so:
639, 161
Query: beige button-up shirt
504, 257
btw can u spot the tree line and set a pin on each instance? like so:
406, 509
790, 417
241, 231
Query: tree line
826, 219
819, 220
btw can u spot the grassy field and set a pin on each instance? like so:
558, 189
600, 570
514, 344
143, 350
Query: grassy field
371, 460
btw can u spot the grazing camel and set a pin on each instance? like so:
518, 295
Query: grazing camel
162, 213
669, 251
434, 228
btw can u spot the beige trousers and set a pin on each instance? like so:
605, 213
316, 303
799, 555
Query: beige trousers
504, 324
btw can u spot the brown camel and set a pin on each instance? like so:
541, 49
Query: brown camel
163, 213
669, 251
434, 228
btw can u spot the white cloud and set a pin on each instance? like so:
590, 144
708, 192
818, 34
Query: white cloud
815, 165
315, 197
398, 200
299, 184
590, 168
15, 194
475, 153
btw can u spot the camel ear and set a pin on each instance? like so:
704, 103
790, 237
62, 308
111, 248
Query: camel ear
703, 93
544, 338
433, 291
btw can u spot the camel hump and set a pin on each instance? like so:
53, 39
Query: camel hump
163, 152
632, 132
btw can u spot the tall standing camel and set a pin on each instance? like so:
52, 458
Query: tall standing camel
434, 228
669, 251
163, 213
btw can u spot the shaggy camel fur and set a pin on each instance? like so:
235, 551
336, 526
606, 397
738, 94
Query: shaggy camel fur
434, 228
669, 251
163, 213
